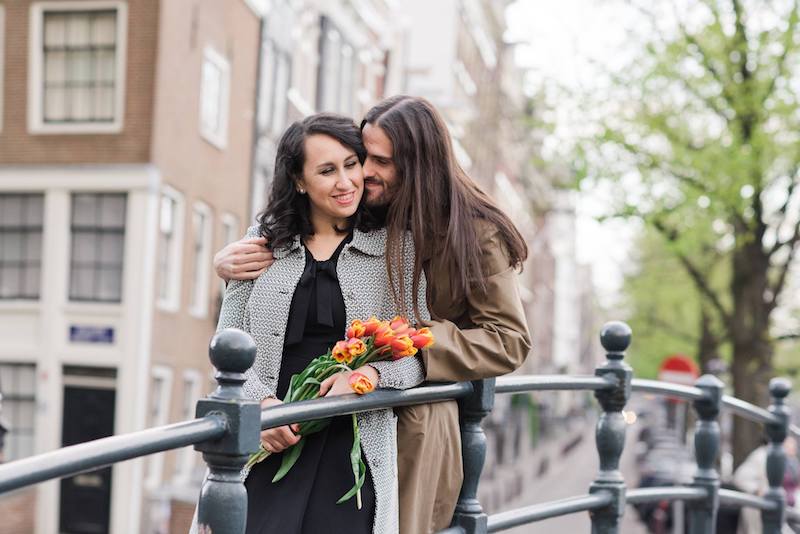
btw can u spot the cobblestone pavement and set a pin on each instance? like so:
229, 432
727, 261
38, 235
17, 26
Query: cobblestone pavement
571, 477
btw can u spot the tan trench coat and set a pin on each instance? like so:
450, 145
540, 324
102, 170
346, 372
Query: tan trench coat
481, 336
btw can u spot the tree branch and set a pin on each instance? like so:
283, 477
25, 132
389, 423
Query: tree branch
784, 208
694, 272
784, 269
657, 322
705, 59
786, 41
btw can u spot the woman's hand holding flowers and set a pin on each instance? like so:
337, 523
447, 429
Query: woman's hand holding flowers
280, 438
339, 384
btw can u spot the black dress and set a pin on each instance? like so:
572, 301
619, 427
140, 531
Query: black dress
304, 501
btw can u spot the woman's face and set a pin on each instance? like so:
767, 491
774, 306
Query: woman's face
332, 179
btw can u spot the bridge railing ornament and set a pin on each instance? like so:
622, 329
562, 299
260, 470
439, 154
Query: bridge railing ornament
771, 520
469, 514
222, 507
610, 430
703, 513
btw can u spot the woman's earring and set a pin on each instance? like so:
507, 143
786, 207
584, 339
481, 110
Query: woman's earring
301, 191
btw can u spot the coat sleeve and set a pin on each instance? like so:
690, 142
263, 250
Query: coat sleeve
407, 372
498, 342
232, 315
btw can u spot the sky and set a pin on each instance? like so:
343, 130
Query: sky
563, 44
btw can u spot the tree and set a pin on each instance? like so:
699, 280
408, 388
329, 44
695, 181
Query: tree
704, 140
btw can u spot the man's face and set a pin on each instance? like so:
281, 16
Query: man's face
380, 172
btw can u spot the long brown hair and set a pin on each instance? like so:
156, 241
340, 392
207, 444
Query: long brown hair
435, 199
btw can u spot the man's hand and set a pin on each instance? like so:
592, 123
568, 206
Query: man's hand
278, 439
245, 259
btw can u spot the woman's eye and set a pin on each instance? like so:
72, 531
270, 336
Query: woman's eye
328, 171
350, 164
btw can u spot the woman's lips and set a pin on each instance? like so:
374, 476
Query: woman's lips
346, 199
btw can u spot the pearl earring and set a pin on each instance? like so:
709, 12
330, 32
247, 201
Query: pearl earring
301, 191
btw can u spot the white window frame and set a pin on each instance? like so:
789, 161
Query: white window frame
217, 138
187, 458
171, 303
155, 466
230, 228
230, 233
198, 299
36, 124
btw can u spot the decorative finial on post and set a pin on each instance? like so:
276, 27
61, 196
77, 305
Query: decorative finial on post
610, 432
223, 499
772, 520
615, 338
703, 514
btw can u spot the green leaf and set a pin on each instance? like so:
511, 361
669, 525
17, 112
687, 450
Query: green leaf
290, 457
311, 380
359, 469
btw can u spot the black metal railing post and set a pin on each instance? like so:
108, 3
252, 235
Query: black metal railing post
771, 520
703, 514
469, 514
610, 432
222, 508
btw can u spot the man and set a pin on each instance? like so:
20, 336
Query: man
469, 252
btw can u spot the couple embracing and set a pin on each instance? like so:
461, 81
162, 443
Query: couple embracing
377, 221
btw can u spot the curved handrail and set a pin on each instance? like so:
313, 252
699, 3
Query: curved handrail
520, 383
643, 385
737, 498
297, 412
99, 453
538, 512
747, 410
664, 493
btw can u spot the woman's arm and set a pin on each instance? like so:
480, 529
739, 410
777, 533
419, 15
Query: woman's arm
498, 342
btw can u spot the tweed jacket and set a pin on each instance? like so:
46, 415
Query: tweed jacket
261, 308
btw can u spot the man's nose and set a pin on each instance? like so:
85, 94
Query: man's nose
369, 172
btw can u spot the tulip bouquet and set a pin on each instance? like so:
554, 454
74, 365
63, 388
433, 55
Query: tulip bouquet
366, 342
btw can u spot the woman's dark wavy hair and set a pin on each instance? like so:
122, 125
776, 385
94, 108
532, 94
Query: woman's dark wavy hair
288, 212
436, 200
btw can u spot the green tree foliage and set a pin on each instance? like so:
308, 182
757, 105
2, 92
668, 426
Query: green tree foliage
664, 310
704, 140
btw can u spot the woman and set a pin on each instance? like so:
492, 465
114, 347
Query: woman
329, 269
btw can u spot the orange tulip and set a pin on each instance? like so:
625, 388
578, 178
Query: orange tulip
341, 352
370, 326
402, 346
399, 325
360, 383
384, 335
356, 329
422, 338
355, 347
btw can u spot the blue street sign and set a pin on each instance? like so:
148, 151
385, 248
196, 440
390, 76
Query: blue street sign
91, 334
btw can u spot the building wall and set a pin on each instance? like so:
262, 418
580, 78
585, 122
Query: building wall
131, 145
214, 175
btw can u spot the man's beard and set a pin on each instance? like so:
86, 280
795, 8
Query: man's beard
378, 211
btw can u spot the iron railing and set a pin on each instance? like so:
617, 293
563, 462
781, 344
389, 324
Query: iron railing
227, 430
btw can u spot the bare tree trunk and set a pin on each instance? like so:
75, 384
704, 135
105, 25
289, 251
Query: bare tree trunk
752, 347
